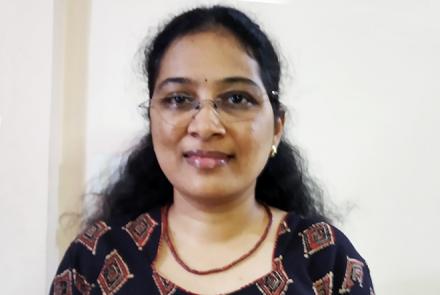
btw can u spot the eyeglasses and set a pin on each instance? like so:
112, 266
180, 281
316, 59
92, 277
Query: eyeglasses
179, 109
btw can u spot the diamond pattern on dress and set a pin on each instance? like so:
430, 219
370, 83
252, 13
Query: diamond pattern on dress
354, 273
275, 283
114, 274
62, 283
164, 286
324, 286
284, 228
140, 229
317, 237
90, 237
81, 284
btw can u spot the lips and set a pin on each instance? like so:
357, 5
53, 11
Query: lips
207, 159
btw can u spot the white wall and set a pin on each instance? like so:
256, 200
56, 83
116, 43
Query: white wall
364, 109
26, 31
367, 114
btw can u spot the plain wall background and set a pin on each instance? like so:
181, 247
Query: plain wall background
362, 89
26, 81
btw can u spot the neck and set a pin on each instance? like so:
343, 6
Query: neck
216, 221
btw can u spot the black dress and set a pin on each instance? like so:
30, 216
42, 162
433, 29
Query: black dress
115, 257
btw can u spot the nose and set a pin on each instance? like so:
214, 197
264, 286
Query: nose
206, 123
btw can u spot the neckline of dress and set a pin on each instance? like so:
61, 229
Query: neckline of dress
275, 249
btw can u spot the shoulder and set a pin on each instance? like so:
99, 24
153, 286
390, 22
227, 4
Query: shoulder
103, 244
329, 256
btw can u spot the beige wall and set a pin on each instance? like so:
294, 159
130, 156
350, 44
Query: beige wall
68, 124
43, 83
73, 122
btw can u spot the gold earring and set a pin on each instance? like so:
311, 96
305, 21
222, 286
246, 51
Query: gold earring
273, 151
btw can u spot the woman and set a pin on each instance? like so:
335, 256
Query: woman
213, 200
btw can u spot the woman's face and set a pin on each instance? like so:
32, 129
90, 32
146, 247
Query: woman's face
207, 157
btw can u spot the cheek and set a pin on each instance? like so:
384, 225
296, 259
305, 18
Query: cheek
163, 134
165, 141
256, 141
165, 144
262, 131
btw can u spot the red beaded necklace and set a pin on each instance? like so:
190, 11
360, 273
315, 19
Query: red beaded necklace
219, 269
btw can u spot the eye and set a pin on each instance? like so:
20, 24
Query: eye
238, 99
177, 101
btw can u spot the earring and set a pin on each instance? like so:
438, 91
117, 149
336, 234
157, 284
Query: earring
273, 151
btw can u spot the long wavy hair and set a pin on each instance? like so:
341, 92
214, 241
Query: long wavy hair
140, 184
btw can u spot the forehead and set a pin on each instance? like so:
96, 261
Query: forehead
210, 55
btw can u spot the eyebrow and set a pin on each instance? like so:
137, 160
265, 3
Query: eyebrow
227, 80
238, 79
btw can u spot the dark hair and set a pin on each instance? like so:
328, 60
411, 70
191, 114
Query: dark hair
141, 185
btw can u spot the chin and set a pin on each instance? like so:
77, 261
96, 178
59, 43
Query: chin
211, 191
215, 190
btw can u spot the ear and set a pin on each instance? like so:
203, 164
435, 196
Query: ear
278, 129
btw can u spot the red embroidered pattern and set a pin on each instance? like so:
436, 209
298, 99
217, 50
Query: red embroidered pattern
354, 273
164, 286
284, 228
317, 237
81, 283
275, 283
324, 286
114, 274
140, 229
62, 283
92, 234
